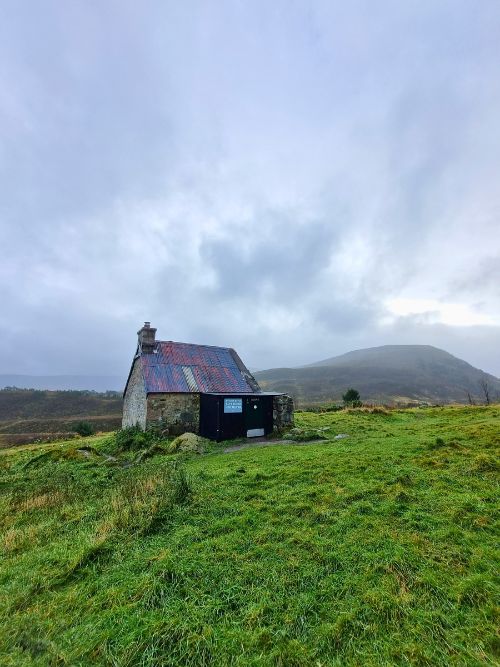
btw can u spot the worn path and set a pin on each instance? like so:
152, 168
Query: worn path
267, 443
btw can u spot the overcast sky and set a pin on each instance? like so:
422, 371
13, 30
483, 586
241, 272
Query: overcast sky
293, 179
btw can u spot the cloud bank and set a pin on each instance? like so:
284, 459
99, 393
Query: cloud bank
294, 180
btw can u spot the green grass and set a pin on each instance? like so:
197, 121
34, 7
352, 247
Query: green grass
376, 549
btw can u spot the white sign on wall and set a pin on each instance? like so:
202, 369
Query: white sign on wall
233, 405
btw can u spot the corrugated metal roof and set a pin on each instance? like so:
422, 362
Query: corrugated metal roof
183, 368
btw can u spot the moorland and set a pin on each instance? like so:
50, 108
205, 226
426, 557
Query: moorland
376, 548
28, 415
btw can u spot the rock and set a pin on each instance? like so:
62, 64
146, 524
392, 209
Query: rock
306, 434
187, 442
340, 436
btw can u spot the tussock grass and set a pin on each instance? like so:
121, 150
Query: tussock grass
376, 549
370, 410
17, 539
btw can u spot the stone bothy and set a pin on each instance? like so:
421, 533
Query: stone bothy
203, 389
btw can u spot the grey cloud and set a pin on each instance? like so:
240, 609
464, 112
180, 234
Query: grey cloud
92, 118
476, 279
341, 315
274, 253
258, 175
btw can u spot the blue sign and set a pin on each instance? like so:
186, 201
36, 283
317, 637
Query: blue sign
233, 405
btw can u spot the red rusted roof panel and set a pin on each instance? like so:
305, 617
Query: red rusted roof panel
214, 369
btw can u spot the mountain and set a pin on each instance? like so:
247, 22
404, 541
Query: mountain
65, 382
386, 374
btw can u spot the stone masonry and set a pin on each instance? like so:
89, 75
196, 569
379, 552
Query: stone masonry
282, 412
134, 401
174, 414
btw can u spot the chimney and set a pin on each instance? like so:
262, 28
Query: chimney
146, 339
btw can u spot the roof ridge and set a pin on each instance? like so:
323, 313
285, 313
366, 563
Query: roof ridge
178, 342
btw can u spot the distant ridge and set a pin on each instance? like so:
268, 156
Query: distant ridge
387, 374
99, 383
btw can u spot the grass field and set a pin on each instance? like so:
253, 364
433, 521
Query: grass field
377, 549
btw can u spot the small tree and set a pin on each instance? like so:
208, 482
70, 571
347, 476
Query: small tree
352, 398
485, 388
84, 428
470, 399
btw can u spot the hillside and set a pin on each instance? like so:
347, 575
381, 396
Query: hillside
100, 383
27, 415
387, 374
376, 549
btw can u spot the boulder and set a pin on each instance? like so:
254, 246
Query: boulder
306, 434
187, 442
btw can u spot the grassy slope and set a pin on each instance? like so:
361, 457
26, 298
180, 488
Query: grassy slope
377, 549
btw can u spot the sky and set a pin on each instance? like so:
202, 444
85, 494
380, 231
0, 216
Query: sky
292, 179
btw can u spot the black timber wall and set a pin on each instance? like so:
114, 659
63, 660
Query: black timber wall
216, 424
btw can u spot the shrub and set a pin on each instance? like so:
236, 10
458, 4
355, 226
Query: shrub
352, 398
328, 407
133, 438
84, 428
379, 410
335, 407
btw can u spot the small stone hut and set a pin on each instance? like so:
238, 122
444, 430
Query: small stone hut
198, 388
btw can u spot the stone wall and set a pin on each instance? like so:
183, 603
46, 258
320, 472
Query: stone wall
174, 413
134, 401
282, 412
